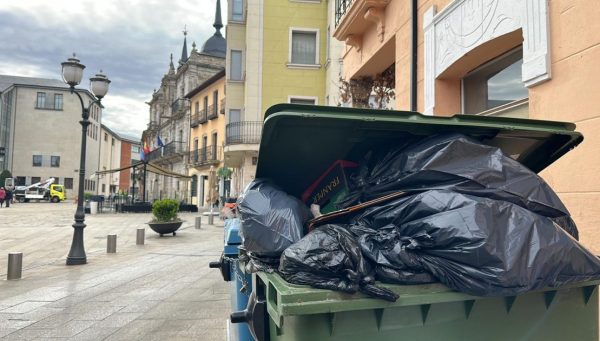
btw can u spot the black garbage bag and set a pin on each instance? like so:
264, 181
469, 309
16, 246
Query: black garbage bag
329, 258
476, 245
271, 219
458, 163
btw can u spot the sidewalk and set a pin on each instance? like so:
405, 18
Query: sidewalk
163, 290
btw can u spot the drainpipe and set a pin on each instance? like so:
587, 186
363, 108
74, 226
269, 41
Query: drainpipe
413, 57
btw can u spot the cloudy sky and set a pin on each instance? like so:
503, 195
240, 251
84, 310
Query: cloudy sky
129, 40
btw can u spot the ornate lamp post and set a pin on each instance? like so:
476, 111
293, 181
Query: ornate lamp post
72, 72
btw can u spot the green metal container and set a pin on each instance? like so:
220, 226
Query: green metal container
300, 142
428, 312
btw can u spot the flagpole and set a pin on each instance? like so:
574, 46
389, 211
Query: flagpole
144, 194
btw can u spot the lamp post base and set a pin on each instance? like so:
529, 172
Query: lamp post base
76, 260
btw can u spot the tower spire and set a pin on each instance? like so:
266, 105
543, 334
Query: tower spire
218, 24
184, 54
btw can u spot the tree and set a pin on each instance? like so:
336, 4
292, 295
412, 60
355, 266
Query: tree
3, 176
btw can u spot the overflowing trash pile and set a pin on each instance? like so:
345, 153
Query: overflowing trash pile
461, 213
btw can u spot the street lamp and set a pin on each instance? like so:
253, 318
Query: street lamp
72, 73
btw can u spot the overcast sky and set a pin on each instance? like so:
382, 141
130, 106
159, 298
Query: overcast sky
130, 40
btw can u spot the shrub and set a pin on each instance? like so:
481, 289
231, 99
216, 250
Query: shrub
165, 210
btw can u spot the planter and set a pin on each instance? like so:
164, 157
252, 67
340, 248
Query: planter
164, 228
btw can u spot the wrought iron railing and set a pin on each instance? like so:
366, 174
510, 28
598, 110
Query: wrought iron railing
174, 148
212, 111
243, 132
179, 106
341, 7
205, 155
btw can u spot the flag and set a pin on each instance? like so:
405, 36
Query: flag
159, 142
142, 155
146, 148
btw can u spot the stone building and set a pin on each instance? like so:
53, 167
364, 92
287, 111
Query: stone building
169, 112
40, 134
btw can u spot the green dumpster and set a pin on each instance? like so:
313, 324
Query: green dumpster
300, 142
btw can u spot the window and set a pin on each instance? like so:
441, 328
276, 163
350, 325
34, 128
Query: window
214, 146
304, 46
194, 185
41, 100
54, 161
197, 107
495, 85
37, 161
105, 137
205, 108
20, 181
254, 160
103, 188
69, 183
237, 10
303, 100
234, 115
35, 179
56, 179
236, 66
58, 101
135, 149
216, 101
112, 143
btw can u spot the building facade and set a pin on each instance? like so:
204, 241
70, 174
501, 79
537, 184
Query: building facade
532, 59
170, 113
116, 151
276, 53
40, 132
207, 137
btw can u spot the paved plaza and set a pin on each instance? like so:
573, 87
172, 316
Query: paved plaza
162, 290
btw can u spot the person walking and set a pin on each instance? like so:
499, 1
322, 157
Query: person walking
9, 197
2, 196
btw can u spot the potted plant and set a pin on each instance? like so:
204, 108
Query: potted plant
165, 217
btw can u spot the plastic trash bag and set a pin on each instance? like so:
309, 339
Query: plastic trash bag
271, 219
329, 258
461, 164
479, 246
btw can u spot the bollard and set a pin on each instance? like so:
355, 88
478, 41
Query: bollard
140, 236
210, 219
198, 222
15, 265
111, 243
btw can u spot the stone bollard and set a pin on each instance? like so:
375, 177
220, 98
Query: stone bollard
15, 265
198, 222
211, 219
111, 243
140, 236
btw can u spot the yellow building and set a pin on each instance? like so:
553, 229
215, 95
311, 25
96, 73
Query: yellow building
207, 136
276, 53
536, 59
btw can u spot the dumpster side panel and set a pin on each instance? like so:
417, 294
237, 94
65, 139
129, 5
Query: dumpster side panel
568, 314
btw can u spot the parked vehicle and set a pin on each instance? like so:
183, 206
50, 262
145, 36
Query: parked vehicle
45, 190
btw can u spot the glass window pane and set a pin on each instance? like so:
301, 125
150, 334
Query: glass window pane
237, 10
304, 47
236, 65
37, 161
55, 161
234, 115
58, 101
494, 84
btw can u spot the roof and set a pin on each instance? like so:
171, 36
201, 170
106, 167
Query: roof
7, 81
127, 138
205, 84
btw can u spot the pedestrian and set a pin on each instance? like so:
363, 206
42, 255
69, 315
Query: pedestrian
9, 197
2, 196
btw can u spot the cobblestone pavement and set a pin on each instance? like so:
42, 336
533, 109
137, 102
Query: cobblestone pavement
162, 290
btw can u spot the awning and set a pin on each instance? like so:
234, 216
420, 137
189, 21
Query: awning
152, 168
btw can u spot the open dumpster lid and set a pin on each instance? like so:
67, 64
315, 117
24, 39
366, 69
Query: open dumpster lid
299, 142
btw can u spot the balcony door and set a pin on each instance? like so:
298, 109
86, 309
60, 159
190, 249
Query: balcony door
204, 144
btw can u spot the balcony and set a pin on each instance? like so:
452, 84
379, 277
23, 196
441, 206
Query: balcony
247, 132
212, 112
354, 17
198, 118
222, 107
179, 107
209, 155
169, 151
